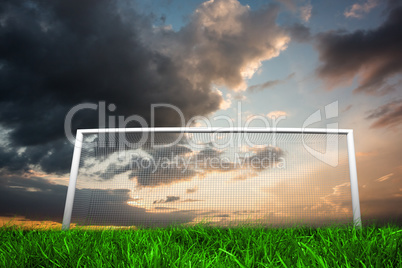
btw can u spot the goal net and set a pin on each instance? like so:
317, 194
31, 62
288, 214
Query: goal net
156, 177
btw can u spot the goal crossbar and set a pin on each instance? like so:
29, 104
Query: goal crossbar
218, 129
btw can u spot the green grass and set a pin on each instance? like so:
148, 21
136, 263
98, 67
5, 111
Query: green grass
203, 246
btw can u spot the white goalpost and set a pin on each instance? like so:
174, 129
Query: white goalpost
164, 175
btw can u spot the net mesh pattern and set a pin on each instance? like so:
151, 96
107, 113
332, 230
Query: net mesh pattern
224, 179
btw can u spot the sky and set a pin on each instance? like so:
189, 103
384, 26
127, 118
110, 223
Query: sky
250, 61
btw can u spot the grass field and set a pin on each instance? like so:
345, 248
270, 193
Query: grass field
203, 246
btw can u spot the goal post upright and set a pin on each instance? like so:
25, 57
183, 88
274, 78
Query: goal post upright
353, 180
79, 143
68, 209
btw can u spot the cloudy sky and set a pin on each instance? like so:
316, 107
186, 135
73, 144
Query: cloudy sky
238, 59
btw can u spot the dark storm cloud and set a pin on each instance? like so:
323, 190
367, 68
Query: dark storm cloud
58, 157
263, 158
12, 160
388, 115
54, 157
258, 158
150, 176
63, 53
375, 55
168, 199
169, 151
210, 160
270, 84
34, 198
208, 153
207, 161
38, 199
57, 54
161, 167
138, 164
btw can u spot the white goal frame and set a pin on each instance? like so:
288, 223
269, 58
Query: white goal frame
79, 139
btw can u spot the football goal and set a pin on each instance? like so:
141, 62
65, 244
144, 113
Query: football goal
156, 177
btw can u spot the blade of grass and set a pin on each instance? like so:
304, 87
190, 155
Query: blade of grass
44, 254
319, 259
284, 264
65, 243
79, 260
234, 257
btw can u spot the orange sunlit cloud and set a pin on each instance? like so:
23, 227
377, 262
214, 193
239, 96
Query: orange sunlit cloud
385, 177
